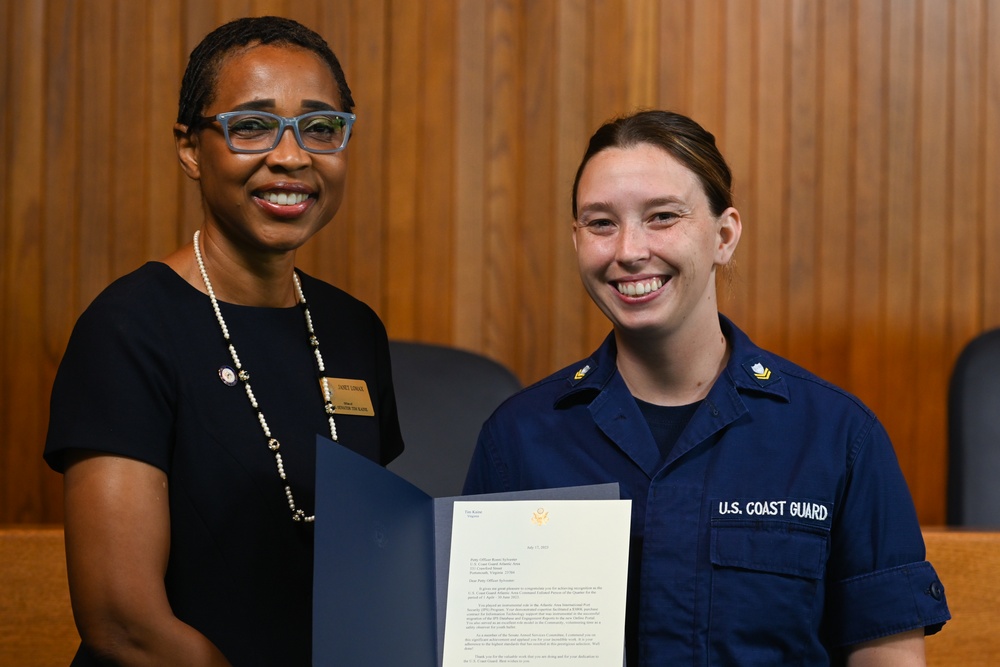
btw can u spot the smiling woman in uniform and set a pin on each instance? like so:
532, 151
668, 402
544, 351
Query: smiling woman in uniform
185, 412
771, 524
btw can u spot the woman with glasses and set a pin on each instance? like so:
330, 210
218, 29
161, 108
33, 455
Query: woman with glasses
186, 409
771, 524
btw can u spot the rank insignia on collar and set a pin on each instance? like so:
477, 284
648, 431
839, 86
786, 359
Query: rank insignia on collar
760, 373
582, 373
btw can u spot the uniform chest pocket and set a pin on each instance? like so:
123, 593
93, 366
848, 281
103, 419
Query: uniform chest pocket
780, 547
767, 592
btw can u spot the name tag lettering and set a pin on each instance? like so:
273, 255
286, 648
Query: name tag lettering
350, 397
799, 509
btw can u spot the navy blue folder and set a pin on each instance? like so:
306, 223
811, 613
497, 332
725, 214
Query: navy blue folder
380, 576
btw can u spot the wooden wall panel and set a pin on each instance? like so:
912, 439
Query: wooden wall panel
403, 167
171, 206
991, 145
934, 141
764, 226
503, 127
23, 410
833, 190
902, 226
469, 178
8, 456
435, 180
865, 221
538, 211
964, 188
61, 134
805, 95
862, 135
736, 136
358, 32
568, 301
58, 279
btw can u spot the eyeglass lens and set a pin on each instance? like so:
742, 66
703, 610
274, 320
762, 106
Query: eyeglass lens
259, 131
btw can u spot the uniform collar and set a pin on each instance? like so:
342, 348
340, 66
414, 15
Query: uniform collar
591, 375
750, 368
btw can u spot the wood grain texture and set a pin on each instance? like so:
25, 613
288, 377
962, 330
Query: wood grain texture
865, 222
36, 619
967, 563
863, 137
23, 409
36, 622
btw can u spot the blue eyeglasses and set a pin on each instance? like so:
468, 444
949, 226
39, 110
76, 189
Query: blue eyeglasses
260, 131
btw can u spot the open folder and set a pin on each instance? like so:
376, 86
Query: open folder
539, 576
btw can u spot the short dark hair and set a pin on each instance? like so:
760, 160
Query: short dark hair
198, 84
684, 139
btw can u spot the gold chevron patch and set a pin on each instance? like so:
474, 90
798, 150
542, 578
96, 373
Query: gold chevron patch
580, 374
761, 373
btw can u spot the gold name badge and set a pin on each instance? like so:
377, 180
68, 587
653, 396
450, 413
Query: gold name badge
350, 397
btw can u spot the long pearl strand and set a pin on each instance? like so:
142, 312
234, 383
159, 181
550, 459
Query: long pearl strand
244, 376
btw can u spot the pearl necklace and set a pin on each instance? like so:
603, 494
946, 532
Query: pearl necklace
244, 376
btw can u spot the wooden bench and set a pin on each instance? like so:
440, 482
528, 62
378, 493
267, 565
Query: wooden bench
36, 620
968, 563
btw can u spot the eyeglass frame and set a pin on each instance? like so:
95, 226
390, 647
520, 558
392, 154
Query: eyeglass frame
283, 123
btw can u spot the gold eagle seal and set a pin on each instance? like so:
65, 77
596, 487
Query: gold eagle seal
540, 517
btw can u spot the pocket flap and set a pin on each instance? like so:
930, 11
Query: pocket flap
780, 547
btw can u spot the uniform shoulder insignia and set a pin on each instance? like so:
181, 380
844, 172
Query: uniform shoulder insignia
581, 373
760, 372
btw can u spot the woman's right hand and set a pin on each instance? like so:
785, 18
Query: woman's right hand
117, 548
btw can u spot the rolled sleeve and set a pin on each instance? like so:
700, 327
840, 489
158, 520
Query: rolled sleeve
911, 595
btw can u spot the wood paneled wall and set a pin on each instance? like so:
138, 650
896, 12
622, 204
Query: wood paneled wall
863, 134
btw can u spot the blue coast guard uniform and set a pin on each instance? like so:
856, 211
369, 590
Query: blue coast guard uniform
778, 530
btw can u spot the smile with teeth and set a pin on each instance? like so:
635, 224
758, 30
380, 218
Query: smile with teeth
284, 198
639, 288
